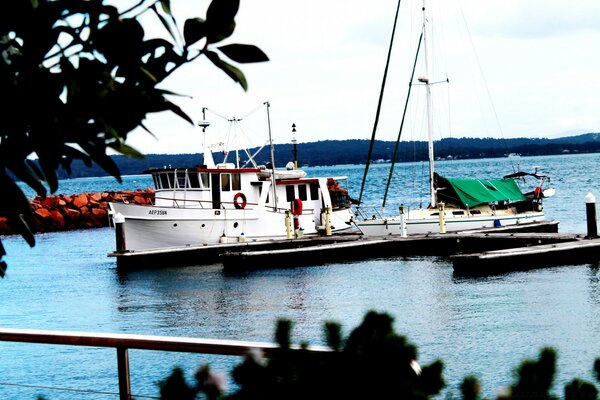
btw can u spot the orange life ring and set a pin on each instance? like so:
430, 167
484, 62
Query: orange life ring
239, 200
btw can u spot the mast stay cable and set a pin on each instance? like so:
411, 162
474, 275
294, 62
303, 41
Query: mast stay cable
387, 64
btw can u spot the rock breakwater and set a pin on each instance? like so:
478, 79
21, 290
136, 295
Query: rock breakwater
78, 211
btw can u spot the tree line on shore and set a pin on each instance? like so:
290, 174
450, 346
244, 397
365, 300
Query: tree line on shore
341, 152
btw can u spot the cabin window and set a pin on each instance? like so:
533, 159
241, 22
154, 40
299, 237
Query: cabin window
302, 192
181, 181
473, 212
434, 214
193, 180
458, 213
156, 181
290, 192
314, 191
225, 182
164, 181
236, 183
205, 180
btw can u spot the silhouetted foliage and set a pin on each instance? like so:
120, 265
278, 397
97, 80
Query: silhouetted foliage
78, 75
373, 362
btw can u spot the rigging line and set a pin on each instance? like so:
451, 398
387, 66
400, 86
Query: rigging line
217, 114
487, 89
412, 76
252, 111
387, 64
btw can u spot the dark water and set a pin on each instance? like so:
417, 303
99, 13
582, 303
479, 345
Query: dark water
483, 326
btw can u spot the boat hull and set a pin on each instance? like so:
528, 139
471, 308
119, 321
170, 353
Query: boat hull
431, 224
149, 227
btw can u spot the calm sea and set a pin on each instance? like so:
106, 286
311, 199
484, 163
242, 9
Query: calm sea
482, 326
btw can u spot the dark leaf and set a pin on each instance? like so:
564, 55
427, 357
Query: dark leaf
166, 6
177, 110
218, 32
49, 170
99, 157
222, 10
166, 24
233, 72
35, 168
126, 150
15, 206
194, 30
24, 173
244, 53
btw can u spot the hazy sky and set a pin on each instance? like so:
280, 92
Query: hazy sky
516, 69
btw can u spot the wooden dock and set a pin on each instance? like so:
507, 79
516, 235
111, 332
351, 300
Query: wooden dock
441, 245
209, 254
575, 252
471, 252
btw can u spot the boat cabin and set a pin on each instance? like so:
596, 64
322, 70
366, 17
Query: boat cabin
227, 187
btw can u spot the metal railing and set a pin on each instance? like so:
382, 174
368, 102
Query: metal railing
123, 342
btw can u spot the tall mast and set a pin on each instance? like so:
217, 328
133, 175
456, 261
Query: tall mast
426, 81
371, 145
272, 157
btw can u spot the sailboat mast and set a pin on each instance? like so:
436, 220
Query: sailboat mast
427, 83
268, 105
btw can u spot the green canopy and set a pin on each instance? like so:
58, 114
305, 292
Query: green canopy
472, 192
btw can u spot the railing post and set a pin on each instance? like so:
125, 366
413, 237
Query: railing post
123, 367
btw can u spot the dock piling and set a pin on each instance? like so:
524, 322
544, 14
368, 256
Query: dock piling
442, 213
119, 220
402, 222
590, 208
288, 225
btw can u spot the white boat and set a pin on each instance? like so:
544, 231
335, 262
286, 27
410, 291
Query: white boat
455, 204
228, 203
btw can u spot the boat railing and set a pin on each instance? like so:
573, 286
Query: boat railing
368, 212
227, 205
375, 212
123, 342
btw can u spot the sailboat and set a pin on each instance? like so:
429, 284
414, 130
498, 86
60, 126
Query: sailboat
454, 204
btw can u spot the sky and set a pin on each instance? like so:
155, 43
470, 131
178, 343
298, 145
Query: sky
515, 69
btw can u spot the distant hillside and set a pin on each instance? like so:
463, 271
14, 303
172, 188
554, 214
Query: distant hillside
338, 152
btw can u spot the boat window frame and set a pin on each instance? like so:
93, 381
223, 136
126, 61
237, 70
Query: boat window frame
194, 181
314, 190
302, 192
204, 180
290, 192
236, 182
178, 175
164, 180
225, 182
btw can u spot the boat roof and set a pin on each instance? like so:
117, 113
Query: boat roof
201, 168
473, 192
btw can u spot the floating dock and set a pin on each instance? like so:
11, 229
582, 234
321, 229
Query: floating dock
209, 253
576, 252
441, 245
479, 252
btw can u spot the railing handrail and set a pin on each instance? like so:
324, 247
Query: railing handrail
122, 342
142, 342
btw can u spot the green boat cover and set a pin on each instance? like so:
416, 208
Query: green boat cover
473, 192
